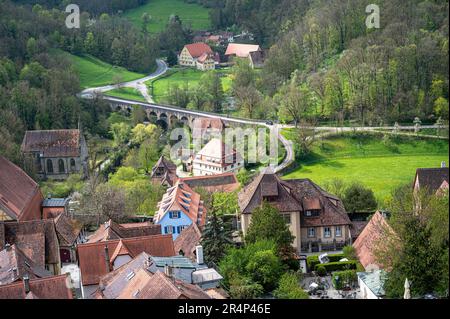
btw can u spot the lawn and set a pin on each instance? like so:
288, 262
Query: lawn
126, 93
94, 72
366, 159
190, 77
193, 15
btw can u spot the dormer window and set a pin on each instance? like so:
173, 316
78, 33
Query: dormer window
174, 215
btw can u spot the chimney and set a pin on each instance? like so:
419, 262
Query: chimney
107, 260
168, 270
442, 164
199, 254
26, 283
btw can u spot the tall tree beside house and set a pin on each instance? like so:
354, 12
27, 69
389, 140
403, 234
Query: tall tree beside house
268, 224
358, 198
423, 257
215, 239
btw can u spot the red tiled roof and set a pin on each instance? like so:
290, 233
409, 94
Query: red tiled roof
226, 182
53, 143
373, 236
187, 241
145, 285
37, 239
241, 50
20, 196
112, 230
181, 197
92, 260
56, 287
14, 265
67, 229
198, 49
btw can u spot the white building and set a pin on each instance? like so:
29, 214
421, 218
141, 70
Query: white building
215, 158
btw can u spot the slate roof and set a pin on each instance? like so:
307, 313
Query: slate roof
56, 287
241, 50
37, 239
374, 281
112, 230
187, 241
370, 239
198, 49
431, 179
181, 197
20, 196
92, 261
14, 265
55, 202
67, 229
226, 182
291, 196
52, 143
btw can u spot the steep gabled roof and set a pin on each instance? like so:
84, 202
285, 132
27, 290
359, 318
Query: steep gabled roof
267, 184
52, 143
17, 192
181, 197
370, 240
431, 179
56, 287
14, 265
198, 49
187, 241
92, 259
67, 229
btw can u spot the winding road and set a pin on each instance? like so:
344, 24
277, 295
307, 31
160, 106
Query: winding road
138, 84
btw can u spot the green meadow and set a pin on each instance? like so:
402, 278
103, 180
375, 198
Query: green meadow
126, 93
366, 158
94, 72
180, 77
191, 14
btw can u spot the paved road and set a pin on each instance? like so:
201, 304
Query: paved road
138, 84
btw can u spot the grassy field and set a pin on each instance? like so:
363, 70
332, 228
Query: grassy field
193, 15
180, 77
126, 93
94, 72
380, 166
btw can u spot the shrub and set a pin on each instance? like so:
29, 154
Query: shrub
321, 270
343, 278
313, 260
349, 252
289, 288
338, 265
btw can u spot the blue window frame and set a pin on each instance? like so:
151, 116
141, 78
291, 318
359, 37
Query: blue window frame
174, 215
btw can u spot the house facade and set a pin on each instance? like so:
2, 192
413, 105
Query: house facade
164, 172
216, 158
179, 208
317, 220
56, 153
198, 55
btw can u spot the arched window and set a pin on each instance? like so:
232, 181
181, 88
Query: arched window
61, 166
72, 164
49, 166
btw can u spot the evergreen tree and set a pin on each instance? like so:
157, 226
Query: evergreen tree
215, 239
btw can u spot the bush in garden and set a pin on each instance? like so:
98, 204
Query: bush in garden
342, 278
321, 270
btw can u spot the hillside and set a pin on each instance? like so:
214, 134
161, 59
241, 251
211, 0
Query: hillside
192, 15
